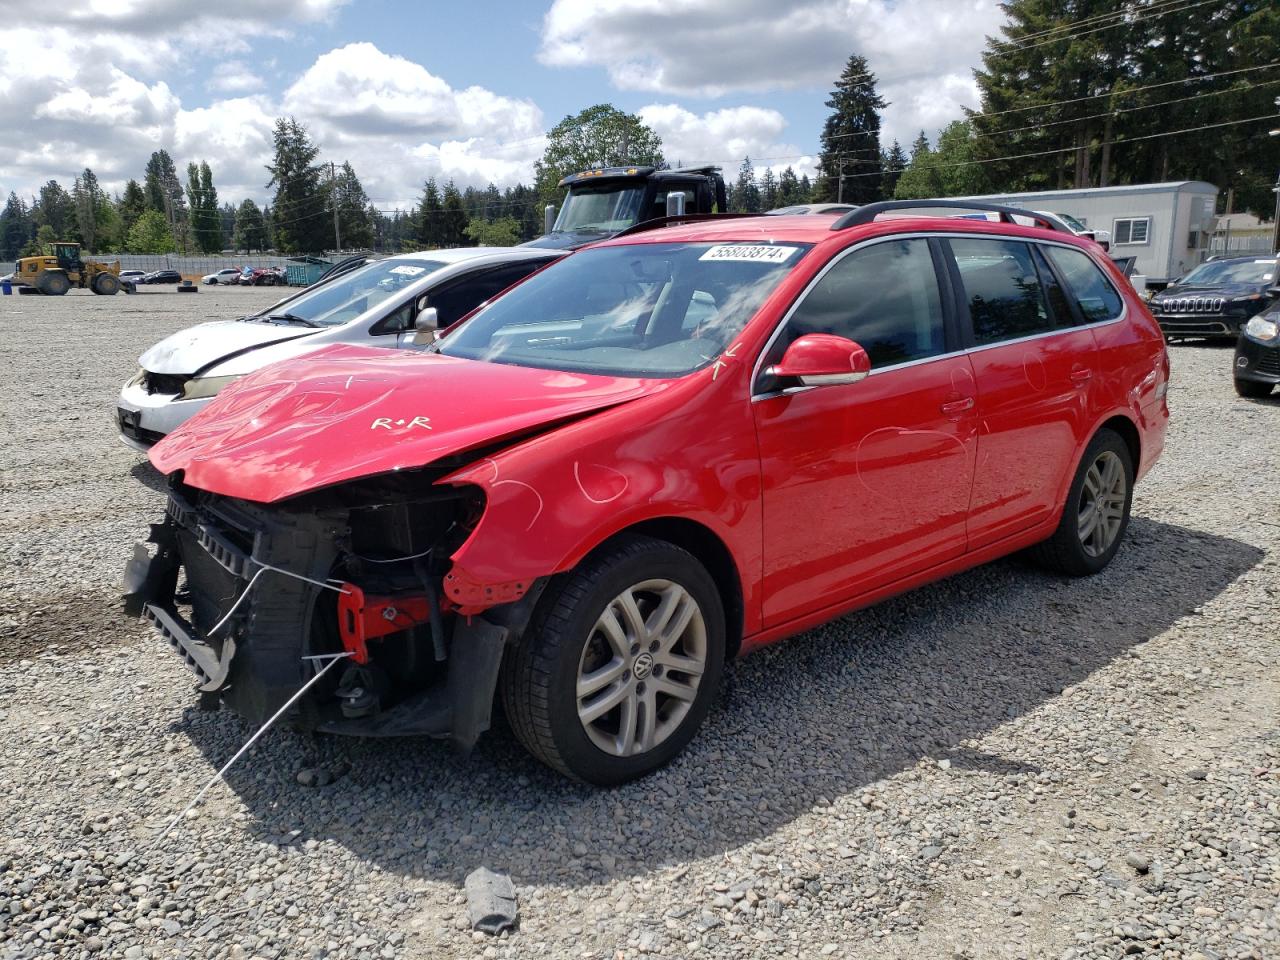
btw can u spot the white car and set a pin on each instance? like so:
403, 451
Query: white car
377, 305
132, 275
1102, 237
229, 275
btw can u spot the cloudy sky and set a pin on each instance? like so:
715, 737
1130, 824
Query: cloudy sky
406, 89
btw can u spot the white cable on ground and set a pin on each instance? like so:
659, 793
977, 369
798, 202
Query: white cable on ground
333, 658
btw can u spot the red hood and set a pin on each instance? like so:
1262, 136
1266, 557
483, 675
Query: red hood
349, 412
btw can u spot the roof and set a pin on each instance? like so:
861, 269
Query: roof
459, 254
637, 172
807, 228
1171, 186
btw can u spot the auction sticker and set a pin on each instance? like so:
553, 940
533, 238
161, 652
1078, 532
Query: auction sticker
407, 271
750, 253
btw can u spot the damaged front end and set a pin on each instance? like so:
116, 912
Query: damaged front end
250, 595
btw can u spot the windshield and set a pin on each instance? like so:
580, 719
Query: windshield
350, 295
1229, 271
1072, 222
640, 310
606, 208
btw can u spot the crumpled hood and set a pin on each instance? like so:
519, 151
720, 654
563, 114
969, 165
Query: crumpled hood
347, 412
191, 350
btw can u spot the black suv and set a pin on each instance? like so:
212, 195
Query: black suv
1217, 298
1257, 361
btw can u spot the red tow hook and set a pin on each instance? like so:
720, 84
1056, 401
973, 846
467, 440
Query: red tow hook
363, 618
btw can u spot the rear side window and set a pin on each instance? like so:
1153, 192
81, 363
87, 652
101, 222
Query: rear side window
1006, 300
1096, 296
884, 297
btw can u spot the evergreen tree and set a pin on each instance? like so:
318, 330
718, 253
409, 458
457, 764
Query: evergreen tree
16, 228
89, 199
849, 165
788, 188
56, 209
164, 194
44, 237
227, 223
805, 194
894, 162
150, 234
302, 221
600, 134
430, 232
132, 205
453, 232
250, 231
746, 195
920, 179
768, 190
206, 221
353, 209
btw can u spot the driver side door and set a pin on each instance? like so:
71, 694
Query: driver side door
865, 483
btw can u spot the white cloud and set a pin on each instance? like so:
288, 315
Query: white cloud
724, 136
234, 76
398, 124
922, 52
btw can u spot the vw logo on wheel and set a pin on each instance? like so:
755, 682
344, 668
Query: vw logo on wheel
642, 666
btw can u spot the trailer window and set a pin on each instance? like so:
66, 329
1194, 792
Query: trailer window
1132, 230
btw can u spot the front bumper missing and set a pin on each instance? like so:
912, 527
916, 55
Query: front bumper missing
255, 663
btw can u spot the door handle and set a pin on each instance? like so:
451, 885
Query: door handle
1081, 375
952, 407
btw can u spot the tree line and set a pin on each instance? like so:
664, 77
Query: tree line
1075, 93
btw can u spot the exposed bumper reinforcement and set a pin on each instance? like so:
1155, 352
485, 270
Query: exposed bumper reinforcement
210, 667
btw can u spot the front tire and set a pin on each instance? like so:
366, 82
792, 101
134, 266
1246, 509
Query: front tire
1096, 514
106, 284
620, 663
1252, 389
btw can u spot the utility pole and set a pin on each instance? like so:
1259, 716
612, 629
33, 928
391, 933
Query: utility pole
333, 192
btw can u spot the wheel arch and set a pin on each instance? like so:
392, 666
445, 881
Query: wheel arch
712, 552
1128, 431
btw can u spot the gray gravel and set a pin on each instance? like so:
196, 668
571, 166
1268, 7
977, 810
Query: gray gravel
1005, 764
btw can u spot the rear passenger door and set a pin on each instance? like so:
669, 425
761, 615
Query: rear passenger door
1033, 360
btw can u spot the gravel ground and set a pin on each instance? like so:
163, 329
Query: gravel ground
1005, 764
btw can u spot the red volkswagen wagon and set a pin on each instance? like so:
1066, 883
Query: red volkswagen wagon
664, 451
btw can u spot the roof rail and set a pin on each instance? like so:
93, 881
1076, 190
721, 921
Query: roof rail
656, 222
868, 213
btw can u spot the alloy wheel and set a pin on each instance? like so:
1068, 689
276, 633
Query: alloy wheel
1102, 500
641, 667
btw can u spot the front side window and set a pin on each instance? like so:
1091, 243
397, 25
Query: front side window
1131, 230
1002, 286
884, 297
636, 310
1094, 294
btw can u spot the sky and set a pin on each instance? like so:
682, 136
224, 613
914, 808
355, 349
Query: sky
465, 91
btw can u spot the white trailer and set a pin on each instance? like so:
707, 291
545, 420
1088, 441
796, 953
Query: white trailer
1166, 226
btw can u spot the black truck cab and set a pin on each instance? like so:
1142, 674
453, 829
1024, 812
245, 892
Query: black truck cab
603, 201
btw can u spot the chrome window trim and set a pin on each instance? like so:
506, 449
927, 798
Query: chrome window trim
786, 317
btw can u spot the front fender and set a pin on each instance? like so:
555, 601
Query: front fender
553, 499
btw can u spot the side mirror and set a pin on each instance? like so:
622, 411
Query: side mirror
1274, 291
822, 359
427, 324
675, 204
548, 218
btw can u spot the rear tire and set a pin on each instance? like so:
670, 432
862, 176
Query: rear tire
53, 283
1252, 389
1096, 514
619, 664
106, 284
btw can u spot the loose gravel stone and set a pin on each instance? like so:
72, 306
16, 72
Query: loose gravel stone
1081, 724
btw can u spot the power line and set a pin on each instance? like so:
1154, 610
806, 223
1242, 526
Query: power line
1114, 143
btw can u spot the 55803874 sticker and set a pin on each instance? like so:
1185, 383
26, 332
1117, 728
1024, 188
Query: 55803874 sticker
750, 253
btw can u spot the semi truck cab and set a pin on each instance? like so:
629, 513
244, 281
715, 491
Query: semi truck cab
603, 201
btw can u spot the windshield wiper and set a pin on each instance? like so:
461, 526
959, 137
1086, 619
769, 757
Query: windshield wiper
291, 318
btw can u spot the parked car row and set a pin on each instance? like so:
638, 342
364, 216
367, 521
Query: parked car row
582, 482
246, 276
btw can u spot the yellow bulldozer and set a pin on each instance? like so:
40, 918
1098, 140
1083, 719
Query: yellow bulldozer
54, 273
